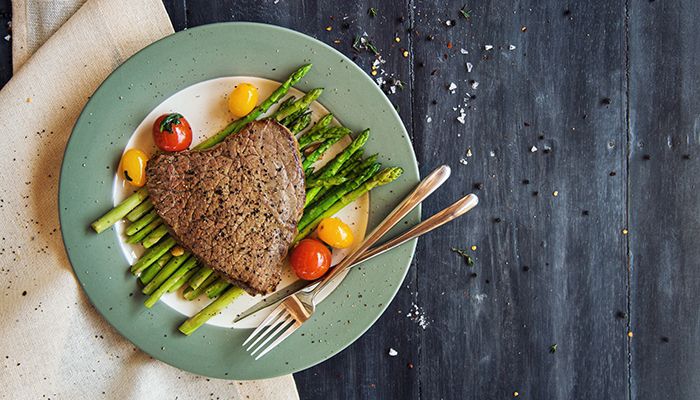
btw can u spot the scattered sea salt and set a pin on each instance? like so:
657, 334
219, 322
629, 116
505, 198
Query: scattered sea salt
533, 149
488, 47
511, 47
480, 297
469, 152
452, 87
393, 353
463, 161
492, 153
463, 51
469, 67
428, 119
8, 37
380, 81
416, 315
448, 22
475, 85
462, 116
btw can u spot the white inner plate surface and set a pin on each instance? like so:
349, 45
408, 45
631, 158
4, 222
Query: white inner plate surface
205, 106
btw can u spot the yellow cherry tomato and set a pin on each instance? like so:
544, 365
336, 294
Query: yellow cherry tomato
133, 167
242, 99
335, 233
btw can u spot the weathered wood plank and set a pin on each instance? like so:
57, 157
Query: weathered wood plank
5, 45
664, 54
549, 269
177, 10
365, 370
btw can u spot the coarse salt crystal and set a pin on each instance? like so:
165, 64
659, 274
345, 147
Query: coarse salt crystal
462, 116
469, 152
380, 81
511, 47
463, 161
452, 86
469, 67
428, 119
492, 153
8, 37
463, 51
448, 22
533, 149
475, 85
488, 47
393, 353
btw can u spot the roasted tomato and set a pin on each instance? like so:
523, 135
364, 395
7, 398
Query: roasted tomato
133, 167
335, 233
242, 99
310, 259
172, 132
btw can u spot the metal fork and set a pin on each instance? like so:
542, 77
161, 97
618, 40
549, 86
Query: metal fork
297, 308
447, 214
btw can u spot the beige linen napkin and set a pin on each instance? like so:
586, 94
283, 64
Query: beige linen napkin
53, 344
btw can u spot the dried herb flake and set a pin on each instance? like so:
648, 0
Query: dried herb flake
467, 258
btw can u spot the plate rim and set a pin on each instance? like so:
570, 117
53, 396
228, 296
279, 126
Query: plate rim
411, 245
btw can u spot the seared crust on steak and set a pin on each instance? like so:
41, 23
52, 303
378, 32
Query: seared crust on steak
235, 206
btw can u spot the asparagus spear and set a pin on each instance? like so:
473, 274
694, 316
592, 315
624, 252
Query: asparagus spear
140, 210
123, 208
320, 125
330, 182
283, 105
211, 310
382, 178
323, 134
354, 160
174, 278
155, 236
182, 280
191, 293
238, 124
141, 223
119, 211
335, 164
349, 170
217, 288
302, 104
336, 193
289, 120
145, 231
200, 277
151, 271
313, 157
165, 273
152, 255
300, 123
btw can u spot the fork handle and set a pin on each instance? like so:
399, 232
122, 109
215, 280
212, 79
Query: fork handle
420, 193
457, 209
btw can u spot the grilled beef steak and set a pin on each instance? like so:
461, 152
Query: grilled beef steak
234, 206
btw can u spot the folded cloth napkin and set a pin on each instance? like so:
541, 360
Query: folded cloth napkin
53, 344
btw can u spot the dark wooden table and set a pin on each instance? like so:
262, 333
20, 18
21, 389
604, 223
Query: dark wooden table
587, 271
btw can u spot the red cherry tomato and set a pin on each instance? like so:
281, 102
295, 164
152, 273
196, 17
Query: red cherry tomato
310, 259
172, 132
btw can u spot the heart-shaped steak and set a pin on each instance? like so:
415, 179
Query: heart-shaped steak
235, 206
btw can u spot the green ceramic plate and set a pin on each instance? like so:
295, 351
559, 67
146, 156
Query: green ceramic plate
121, 103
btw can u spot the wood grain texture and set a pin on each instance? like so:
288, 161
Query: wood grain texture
664, 198
551, 267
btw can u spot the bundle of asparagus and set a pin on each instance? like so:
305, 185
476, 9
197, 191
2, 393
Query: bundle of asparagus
341, 181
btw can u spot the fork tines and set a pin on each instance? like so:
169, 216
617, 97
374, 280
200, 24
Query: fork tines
272, 327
